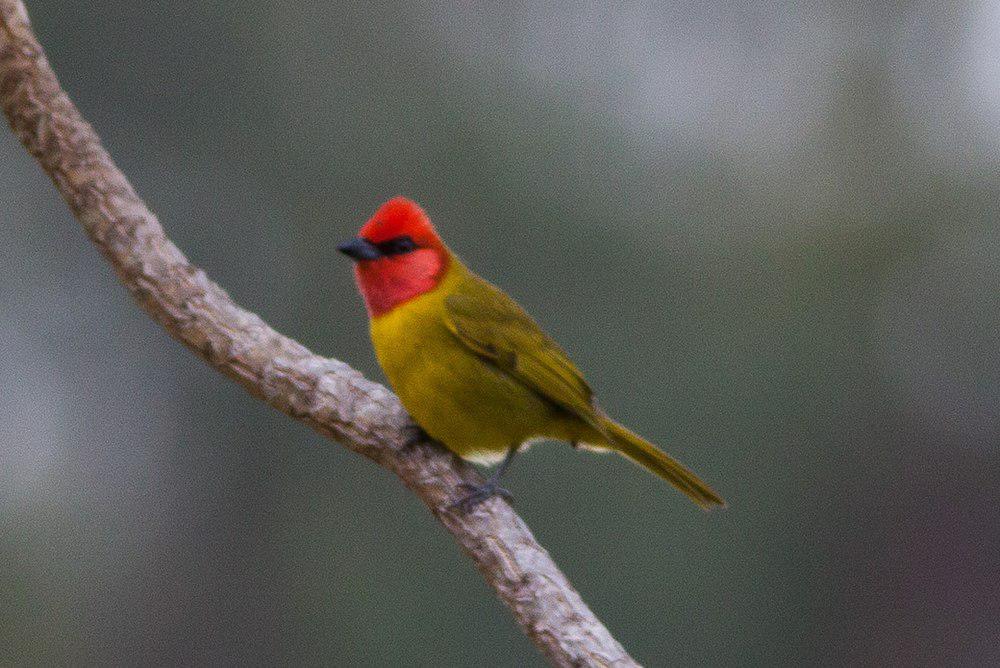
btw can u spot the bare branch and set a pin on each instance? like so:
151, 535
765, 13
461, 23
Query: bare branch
326, 394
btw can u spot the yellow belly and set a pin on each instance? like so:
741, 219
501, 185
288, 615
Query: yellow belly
458, 399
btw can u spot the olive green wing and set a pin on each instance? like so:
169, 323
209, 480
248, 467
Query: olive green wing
493, 326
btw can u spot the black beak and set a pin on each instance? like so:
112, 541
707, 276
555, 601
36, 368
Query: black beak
360, 248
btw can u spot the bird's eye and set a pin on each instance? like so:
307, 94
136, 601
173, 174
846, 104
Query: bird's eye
397, 245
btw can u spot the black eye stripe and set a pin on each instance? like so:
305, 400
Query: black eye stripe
397, 245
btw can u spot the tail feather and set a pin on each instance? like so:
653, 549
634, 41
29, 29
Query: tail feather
646, 454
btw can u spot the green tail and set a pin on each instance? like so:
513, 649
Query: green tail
646, 454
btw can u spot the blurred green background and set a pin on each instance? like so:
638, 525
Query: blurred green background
768, 234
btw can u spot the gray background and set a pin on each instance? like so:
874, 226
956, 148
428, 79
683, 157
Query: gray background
767, 234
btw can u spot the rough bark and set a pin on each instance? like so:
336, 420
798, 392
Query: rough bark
326, 394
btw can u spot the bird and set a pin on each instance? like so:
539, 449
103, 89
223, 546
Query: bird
473, 369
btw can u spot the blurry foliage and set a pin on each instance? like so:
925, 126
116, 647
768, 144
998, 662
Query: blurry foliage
768, 234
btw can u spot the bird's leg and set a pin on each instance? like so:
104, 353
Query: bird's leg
575, 445
479, 493
413, 433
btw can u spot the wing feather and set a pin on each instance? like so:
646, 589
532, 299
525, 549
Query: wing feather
493, 326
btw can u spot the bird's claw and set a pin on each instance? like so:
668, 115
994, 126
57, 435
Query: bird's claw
476, 494
414, 434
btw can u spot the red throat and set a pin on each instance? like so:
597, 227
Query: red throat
387, 282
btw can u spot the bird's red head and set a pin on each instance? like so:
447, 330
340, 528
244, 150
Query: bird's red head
398, 256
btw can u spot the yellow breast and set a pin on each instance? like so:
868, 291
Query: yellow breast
456, 397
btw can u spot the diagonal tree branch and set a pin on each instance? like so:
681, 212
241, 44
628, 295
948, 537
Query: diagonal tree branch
326, 394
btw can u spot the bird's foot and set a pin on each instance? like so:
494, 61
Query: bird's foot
476, 494
414, 434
